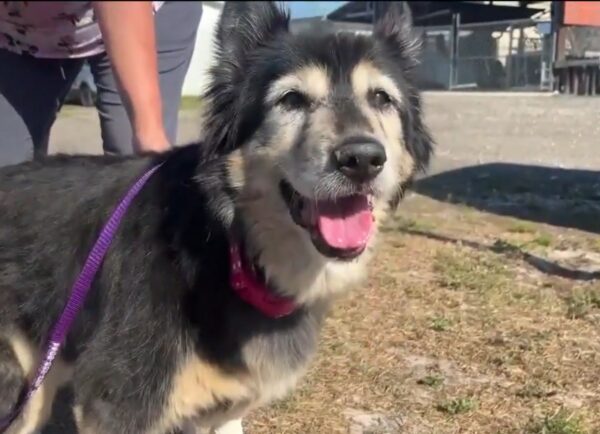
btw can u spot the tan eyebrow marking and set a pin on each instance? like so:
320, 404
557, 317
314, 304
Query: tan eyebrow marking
366, 76
312, 80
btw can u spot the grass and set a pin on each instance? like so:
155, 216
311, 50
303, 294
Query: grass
534, 389
190, 103
560, 423
582, 301
440, 324
68, 110
402, 223
453, 338
187, 103
522, 228
471, 271
457, 406
434, 381
543, 240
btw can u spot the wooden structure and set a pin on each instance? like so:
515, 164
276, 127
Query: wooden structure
576, 72
577, 77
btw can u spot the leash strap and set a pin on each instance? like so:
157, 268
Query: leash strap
79, 292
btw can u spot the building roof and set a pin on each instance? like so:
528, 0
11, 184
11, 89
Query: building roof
435, 13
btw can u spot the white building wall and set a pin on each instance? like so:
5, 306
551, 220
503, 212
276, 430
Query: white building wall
196, 77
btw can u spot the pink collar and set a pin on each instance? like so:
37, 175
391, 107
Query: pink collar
254, 292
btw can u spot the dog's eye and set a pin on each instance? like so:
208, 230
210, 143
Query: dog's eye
380, 99
294, 100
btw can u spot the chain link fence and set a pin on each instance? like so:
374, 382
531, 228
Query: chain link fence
491, 56
436, 60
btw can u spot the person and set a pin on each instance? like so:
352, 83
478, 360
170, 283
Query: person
138, 53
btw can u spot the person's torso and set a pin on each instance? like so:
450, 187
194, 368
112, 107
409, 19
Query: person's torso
51, 29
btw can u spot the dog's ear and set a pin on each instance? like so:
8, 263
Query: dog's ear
395, 30
417, 139
245, 26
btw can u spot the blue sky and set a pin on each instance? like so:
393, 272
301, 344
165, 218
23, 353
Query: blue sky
310, 9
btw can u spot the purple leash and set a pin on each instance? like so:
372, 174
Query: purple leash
78, 294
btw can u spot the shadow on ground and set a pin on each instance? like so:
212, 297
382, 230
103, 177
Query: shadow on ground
510, 250
560, 197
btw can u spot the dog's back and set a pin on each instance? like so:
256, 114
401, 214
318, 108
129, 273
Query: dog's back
50, 211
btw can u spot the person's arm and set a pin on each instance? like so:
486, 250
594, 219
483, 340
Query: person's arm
129, 37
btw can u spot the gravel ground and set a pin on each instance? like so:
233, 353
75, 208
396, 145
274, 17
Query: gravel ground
470, 128
543, 129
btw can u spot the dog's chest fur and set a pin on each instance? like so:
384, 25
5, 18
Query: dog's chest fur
209, 394
270, 355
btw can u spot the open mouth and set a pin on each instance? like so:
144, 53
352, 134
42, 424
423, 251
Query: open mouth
339, 228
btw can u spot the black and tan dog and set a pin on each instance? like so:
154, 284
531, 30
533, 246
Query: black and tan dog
310, 141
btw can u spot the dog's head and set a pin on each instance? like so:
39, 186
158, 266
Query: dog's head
327, 128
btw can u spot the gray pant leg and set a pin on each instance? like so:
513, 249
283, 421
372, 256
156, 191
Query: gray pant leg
176, 28
114, 122
31, 93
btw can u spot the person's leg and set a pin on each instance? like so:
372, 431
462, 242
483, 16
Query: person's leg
31, 93
114, 122
176, 28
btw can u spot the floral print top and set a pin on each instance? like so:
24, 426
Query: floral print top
51, 29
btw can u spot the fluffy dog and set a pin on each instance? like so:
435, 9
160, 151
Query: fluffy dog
309, 142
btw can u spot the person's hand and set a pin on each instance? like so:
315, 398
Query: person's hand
129, 36
151, 141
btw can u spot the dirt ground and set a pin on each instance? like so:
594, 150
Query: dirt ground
482, 314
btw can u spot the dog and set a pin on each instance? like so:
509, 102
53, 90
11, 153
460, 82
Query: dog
309, 142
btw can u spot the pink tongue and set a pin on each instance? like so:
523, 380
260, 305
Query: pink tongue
346, 223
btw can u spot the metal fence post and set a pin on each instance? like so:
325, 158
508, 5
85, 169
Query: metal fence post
509, 58
454, 37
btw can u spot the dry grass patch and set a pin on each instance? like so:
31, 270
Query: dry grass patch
561, 422
452, 339
457, 406
463, 269
583, 301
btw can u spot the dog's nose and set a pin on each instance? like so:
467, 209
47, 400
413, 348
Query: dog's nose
360, 161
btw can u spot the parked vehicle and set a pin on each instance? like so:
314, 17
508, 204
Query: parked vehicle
83, 90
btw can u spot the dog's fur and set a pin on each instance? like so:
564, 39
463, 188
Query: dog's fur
163, 340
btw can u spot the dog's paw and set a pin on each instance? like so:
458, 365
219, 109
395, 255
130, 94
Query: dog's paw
231, 427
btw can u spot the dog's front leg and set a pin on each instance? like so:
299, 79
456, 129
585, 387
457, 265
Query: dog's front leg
19, 358
101, 417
